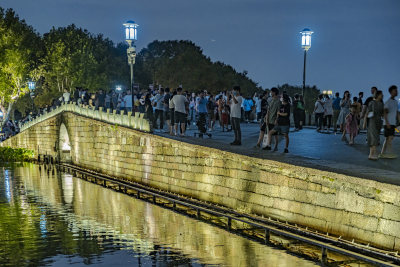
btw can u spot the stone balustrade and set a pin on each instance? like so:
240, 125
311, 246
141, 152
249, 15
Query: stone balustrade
135, 121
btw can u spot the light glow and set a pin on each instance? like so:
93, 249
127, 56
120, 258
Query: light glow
31, 85
131, 30
306, 39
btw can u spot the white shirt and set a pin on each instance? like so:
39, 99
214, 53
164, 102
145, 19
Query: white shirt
66, 96
391, 107
179, 103
236, 111
319, 107
258, 104
328, 106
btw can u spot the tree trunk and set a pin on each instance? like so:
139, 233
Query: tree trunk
6, 113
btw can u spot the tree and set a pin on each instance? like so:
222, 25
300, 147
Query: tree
174, 63
20, 46
75, 58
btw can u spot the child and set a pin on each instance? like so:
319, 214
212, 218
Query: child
224, 117
352, 124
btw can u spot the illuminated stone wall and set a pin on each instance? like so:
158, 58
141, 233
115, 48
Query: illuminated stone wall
329, 202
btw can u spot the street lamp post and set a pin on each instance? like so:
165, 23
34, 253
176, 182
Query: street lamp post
32, 87
131, 37
306, 45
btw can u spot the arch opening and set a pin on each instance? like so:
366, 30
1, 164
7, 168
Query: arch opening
64, 145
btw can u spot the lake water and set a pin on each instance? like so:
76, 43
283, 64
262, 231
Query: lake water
54, 219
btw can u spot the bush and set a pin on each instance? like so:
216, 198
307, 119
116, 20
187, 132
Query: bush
8, 154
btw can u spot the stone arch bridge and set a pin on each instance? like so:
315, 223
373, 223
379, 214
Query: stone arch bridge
121, 146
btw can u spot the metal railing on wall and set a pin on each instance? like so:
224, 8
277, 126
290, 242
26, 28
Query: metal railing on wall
131, 120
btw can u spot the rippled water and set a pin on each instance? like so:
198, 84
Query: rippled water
55, 219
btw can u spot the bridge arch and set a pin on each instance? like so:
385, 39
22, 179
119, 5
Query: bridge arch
64, 144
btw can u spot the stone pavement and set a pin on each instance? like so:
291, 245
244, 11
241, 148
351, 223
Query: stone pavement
308, 149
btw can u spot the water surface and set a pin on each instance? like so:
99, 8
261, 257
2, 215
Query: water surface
54, 219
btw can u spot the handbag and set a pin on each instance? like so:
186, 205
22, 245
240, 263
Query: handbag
370, 115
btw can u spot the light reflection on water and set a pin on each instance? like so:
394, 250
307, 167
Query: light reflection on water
56, 219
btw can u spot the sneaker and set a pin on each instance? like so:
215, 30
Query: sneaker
257, 146
275, 149
267, 148
233, 143
286, 150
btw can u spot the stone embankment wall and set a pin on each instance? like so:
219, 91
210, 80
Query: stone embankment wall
356, 208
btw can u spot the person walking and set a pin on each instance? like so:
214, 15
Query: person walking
167, 114
274, 105
180, 102
202, 103
247, 107
319, 112
351, 124
172, 114
236, 113
374, 115
328, 112
391, 116
297, 108
257, 103
344, 110
263, 121
282, 124
158, 102
336, 111
211, 109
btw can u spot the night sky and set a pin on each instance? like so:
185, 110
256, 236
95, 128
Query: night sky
356, 43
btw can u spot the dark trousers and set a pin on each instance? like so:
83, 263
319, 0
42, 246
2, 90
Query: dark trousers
158, 113
319, 120
297, 118
236, 129
247, 115
201, 123
328, 121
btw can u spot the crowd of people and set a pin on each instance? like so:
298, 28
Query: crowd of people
351, 115
173, 111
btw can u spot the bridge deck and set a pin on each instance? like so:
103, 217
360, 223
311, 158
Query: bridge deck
309, 149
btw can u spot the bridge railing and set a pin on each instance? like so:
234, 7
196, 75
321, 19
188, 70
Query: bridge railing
131, 120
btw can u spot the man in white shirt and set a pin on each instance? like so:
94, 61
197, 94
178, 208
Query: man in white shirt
66, 96
236, 114
128, 102
180, 102
391, 117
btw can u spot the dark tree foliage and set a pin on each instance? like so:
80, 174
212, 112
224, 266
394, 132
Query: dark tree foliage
75, 58
174, 63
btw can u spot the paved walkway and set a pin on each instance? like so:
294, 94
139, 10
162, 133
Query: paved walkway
309, 149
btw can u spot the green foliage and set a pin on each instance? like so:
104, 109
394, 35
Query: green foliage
8, 154
20, 48
74, 57
174, 63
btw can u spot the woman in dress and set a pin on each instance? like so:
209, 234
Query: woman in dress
374, 115
344, 111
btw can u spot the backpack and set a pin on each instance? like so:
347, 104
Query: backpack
300, 105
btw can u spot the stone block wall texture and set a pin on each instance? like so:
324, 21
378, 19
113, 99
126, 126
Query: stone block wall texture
342, 205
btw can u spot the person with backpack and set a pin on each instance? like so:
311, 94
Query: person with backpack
298, 109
